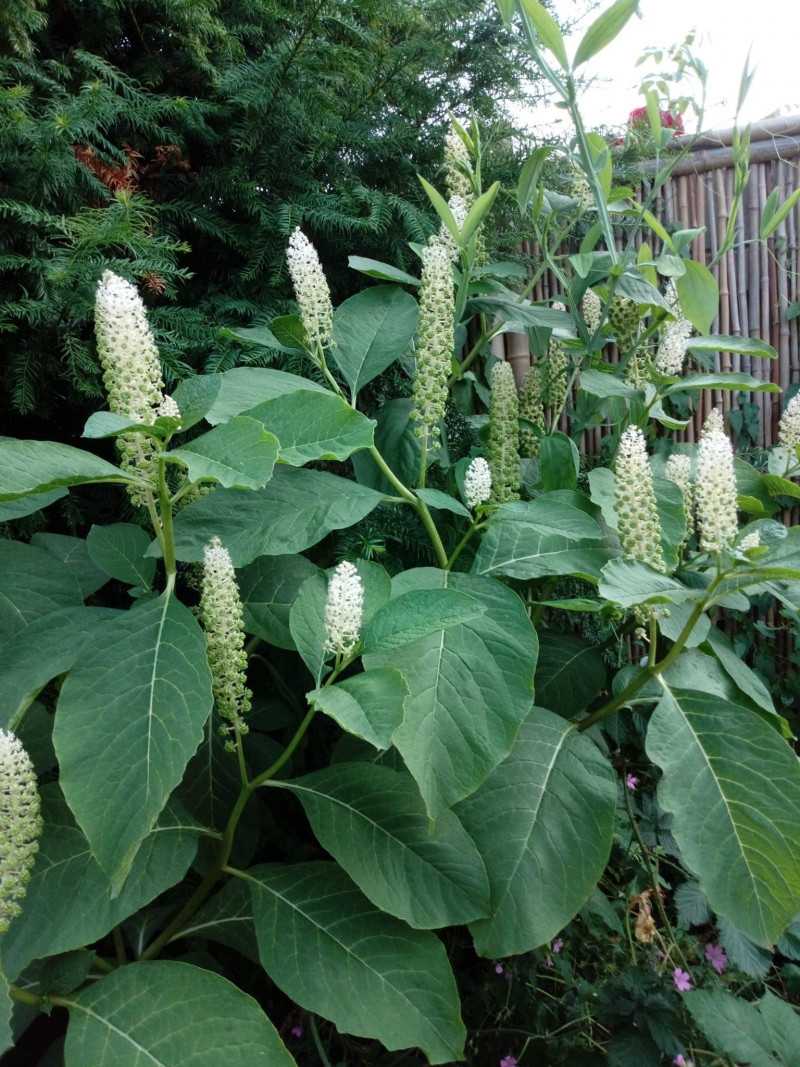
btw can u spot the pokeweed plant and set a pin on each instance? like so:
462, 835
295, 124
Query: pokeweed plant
473, 782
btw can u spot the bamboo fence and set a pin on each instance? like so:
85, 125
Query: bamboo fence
758, 281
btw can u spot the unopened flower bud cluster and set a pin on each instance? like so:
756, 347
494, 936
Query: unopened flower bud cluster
789, 426
221, 612
132, 371
435, 338
555, 384
457, 166
477, 483
344, 610
311, 289
504, 434
635, 502
592, 310
679, 470
21, 825
459, 209
532, 409
623, 315
675, 335
715, 491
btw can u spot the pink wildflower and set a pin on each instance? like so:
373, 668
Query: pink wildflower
509, 1061
681, 1061
682, 980
631, 781
558, 944
549, 961
715, 954
296, 1031
498, 968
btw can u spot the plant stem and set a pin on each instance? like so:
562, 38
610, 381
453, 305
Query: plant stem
318, 1042
119, 945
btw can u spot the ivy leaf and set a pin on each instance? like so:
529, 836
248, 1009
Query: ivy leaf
171, 1014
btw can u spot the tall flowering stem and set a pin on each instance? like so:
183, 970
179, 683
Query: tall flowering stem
21, 825
504, 435
311, 289
221, 612
344, 610
715, 490
635, 502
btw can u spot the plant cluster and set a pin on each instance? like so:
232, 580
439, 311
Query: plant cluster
288, 798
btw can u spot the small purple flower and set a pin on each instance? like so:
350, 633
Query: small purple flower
498, 968
296, 1031
558, 944
549, 961
715, 954
631, 781
509, 1061
683, 982
681, 1061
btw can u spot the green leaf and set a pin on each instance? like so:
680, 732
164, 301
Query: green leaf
39, 466
737, 670
69, 900
6, 1007
602, 384
628, 582
459, 723
741, 1030
29, 505
384, 272
520, 550
169, 1014
558, 463
196, 396
240, 453
434, 498
307, 624
268, 587
397, 443
416, 614
530, 175
777, 486
769, 224
561, 512
33, 583
123, 749
569, 674
243, 388
107, 424
547, 28
373, 822
119, 551
692, 905
733, 787
295, 510
728, 380
227, 917
477, 213
392, 983
314, 426
749, 346
294, 339
604, 29
42, 651
73, 551
641, 291
698, 294
369, 705
290, 333
370, 331
442, 210
543, 823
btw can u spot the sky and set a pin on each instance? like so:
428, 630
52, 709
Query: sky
725, 31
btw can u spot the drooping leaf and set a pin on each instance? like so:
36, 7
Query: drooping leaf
33, 583
416, 614
69, 901
6, 1007
434, 498
459, 722
39, 466
42, 651
543, 823
74, 552
691, 904
371, 330
373, 822
520, 550
169, 1014
628, 582
268, 587
561, 512
393, 983
244, 387
123, 749
28, 505
733, 786
384, 272
602, 384
240, 453
729, 380
748, 346
295, 510
369, 705
119, 551
307, 624
569, 674
698, 294
313, 426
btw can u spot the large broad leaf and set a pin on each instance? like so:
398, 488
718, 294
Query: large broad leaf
241, 453
6, 1007
169, 1014
314, 426
371, 330
370, 705
416, 614
195, 396
268, 587
27, 505
384, 272
471, 686
543, 822
729, 380
629, 581
604, 29
227, 918
520, 550
603, 384
244, 387
397, 443
547, 28
750, 346
73, 551
373, 822
122, 748
334, 953
569, 674
698, 294
42, 651
763, 1034
39, 466
119, 551
562, 512
69, 900
294, 511
33, 583
733, 787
